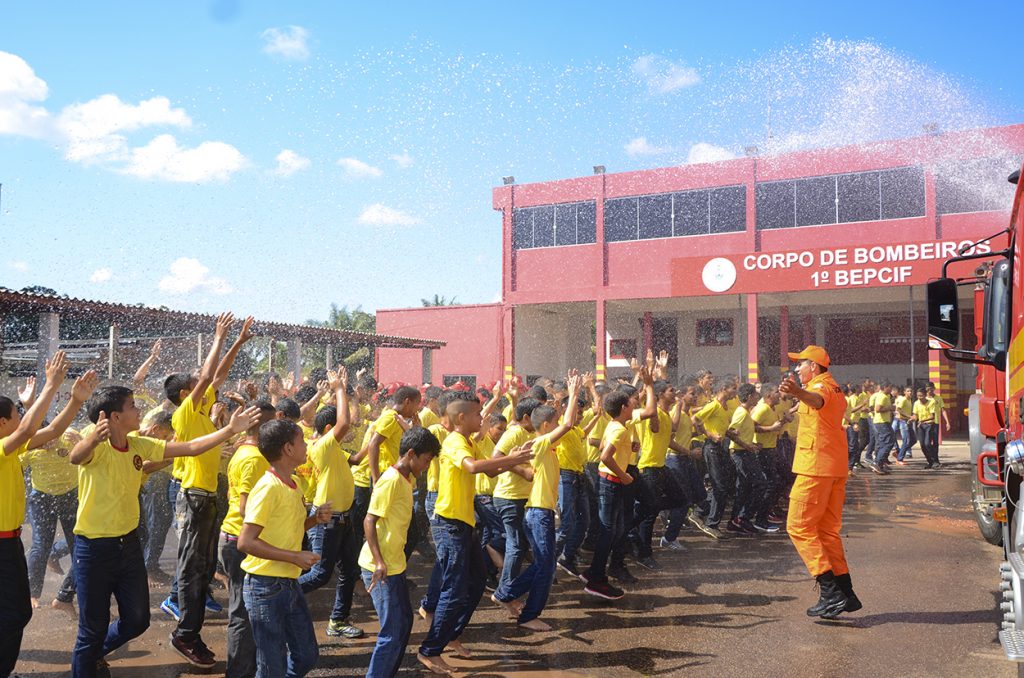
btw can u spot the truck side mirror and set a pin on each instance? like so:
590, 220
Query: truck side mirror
943, 314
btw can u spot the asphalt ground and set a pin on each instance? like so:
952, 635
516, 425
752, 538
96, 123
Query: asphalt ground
730, 608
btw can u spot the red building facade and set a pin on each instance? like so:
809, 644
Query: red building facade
727, 265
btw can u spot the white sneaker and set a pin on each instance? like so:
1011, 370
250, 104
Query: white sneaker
671, 545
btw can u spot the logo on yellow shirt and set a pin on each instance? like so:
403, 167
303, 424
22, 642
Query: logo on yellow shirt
137, 461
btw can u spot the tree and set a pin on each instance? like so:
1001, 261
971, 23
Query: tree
440, 300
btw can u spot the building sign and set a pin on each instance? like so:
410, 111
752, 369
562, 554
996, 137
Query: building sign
810, 269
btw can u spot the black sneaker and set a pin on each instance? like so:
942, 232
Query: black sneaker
492, 583
734, 527
585, 576
568, 566
604, 590
748, 527
650, 563
766, 528
936, 466
622, 574
195, 653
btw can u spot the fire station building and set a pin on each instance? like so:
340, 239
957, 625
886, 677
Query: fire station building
727, 266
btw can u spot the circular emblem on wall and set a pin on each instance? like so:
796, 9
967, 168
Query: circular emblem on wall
137, 461
719, 274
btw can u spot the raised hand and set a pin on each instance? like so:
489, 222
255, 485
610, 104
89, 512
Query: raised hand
248, 389
513, 388
634, 365
645, 376
575, 384
154, 352
224, 323
57, 368
101, 431
288, 383
84, 386
649, 360
27, 395
243, 420
246, 333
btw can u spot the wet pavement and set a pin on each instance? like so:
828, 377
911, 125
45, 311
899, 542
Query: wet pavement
927, 580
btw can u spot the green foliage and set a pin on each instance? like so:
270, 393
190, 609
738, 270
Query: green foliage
440, 300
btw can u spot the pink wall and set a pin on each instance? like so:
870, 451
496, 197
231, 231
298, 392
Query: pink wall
473, 333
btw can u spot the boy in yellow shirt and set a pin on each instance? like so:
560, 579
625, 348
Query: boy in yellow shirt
459, 555
16, 433
383, 559
712, 420
540, 512
926, 418
681, 466
271, 538
750, 480
881, 408
767, 429
597, 392
902, 426
573, 503
108, 554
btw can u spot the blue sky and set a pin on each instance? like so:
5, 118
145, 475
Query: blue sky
273, 158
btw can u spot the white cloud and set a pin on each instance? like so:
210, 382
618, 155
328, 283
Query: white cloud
18, 265
101, 275
163, 159
189, 275
20, 88
640, 146
289, 162
357, 168
702, 152
404, 160
288, 43
382, 215
92, 128
663, 76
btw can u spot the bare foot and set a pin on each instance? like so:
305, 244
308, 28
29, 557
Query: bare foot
64, 607
427, 617
459, 650
512, 608
436, 665
536, 625
35, 603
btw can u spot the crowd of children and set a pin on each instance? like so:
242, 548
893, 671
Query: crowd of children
274, 487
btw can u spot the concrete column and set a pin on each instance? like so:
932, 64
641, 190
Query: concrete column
508, 331
752, 375
295, 358
199, 350
601, 341
115, 334
49, 343
329, 357
648, 324
427, 366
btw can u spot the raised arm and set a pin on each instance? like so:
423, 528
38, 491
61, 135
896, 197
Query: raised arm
221, 374
209, 369
651, 403
241, 421
339, 382
80, 392
308, 409
575, 383
485, 413
56, 370
139, 380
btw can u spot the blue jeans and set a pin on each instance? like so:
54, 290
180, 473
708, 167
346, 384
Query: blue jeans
44, 510
197, 560
590, 475
461, 564
610, 513
574, 509
104, 567
173, 487
281, 626
723, 480
884, 441
429, 503
241, 647
512, 512
903, 432
158, 515
429, 600
538, 577
391, 600
688, 480
338, 546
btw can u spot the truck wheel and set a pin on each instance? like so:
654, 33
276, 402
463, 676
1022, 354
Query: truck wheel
991, 529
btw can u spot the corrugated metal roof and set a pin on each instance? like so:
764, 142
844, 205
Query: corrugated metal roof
11, 300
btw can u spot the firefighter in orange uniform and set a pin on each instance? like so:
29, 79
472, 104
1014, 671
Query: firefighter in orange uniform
820, 466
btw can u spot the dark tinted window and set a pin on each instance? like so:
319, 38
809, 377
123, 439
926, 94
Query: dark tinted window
728, 209
543, 226
522, 228
815, 201
775, 205
620, 219
902, 193
691, 213
565, 224
858, 197
656, 216
586, 222
975, 185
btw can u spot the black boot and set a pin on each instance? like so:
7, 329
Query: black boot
831, 602
846, 586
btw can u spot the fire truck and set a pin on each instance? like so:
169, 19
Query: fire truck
995, 412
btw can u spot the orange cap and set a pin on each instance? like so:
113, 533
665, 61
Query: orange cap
813, 353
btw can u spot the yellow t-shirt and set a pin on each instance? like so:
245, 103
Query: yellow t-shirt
12, 488
743, 424
305, 479
484, 483
654, 446
108, 487
440, 432
939, 404
684, 431
925, 412
905, 406
619, 437
247, 466
333, 476
862, 399
52, 473
428, 418
714, 417
391, 502
509, 413
791, 427
278, 508
732, 404
764, 415
191, 421
880, 399
510, 485
596, 433
544, 493
456, 486
361, 472
572, 450
389, 429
